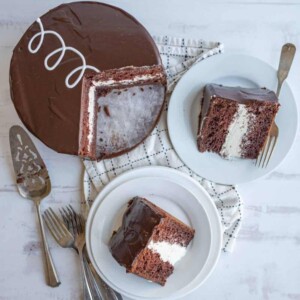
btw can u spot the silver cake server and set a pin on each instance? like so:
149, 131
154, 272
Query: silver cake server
33, 183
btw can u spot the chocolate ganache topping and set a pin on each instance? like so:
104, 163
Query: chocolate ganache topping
138, 223
237, 94
50, 59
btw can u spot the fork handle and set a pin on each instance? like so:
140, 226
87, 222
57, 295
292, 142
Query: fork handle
88, 289
103, 291
52, 277
107, 292
286, 59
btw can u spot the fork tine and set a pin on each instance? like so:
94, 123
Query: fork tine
82, 223
68, 214
79, 223
78, 220
55, 220
52, 228
60, 225
64, 216
71, 217
259, 157
267, 150
262, 153
272, 149
72, 210
51, 221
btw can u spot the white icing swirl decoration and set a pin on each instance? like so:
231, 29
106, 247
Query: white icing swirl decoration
62, 50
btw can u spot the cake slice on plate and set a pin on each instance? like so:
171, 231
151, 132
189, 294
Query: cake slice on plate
119, 108
150, 241
235, 121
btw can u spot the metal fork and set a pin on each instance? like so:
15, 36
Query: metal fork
286, 59
66, 240
101, 289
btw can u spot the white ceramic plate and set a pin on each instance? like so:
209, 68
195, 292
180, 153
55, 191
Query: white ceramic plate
178, 194
184, 108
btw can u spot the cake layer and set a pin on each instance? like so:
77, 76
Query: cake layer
235, 121
119, 109
150, 241
150, 266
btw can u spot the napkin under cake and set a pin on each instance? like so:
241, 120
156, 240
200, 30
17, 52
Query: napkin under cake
235, 121
150, 241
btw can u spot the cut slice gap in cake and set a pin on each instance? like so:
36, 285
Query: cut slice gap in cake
119, 108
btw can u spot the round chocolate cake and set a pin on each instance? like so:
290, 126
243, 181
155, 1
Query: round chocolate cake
51, 58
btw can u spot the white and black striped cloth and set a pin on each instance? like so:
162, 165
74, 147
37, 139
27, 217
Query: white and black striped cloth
178, 55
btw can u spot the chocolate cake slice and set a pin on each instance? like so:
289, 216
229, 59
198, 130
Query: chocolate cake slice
150, 241
119, 108
235, 121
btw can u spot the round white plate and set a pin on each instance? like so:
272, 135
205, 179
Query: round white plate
176, 193
184, 109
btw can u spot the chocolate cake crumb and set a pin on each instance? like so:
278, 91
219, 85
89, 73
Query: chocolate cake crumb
106, 110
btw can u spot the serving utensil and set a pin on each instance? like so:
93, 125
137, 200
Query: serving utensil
76, 224
69, 233
33, 182
66, 239
286, 59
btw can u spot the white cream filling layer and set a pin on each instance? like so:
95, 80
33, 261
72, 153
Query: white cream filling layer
236, 132
126, 81
171, 253
91, 116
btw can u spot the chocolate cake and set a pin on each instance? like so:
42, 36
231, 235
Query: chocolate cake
150, 241
48, 63
235, 121
119, 109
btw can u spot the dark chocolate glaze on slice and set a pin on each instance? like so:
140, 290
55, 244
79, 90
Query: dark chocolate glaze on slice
138, 223
240, 94
108, 38
237, 94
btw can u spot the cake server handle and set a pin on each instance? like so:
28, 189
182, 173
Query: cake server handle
286, 59
52, 277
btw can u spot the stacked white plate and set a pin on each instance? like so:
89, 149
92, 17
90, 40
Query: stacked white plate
178, 194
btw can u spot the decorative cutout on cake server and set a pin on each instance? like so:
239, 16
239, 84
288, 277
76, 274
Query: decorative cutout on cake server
62, 50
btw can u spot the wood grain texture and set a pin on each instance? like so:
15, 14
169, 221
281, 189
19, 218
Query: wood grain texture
266, 261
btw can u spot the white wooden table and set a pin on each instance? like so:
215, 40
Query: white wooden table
266, 260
